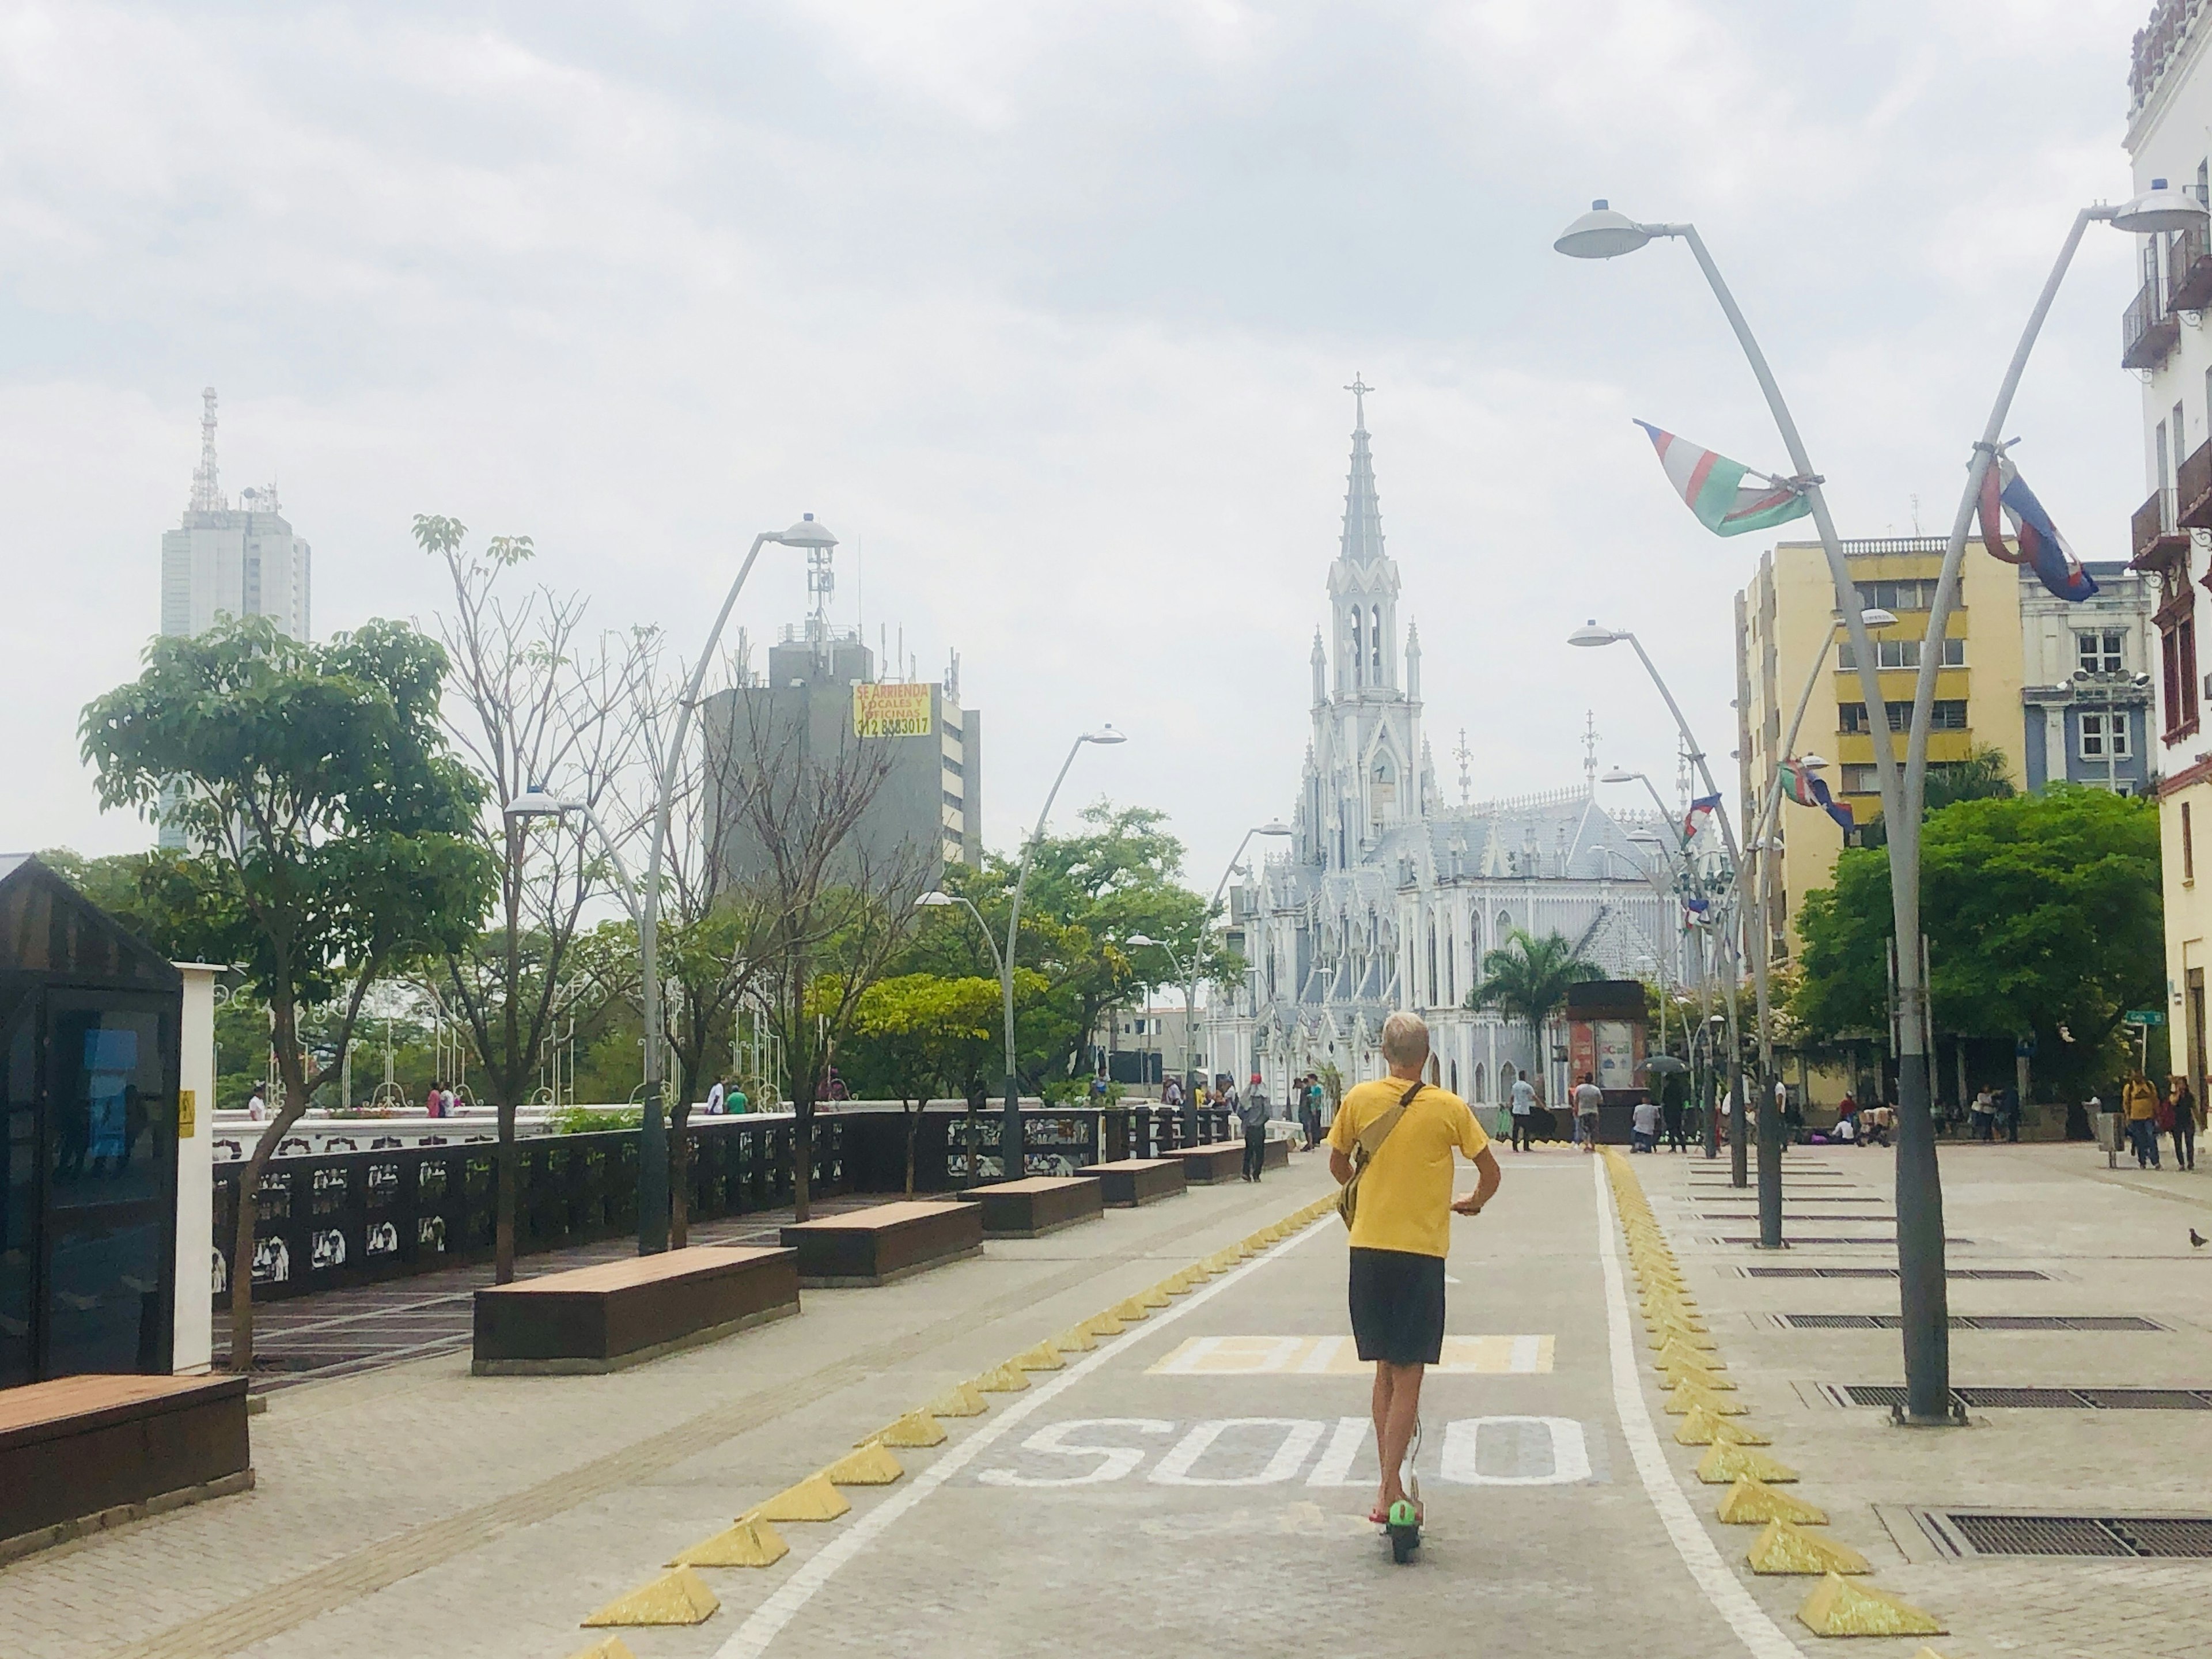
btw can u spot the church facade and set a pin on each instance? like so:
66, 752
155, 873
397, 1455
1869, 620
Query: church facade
1389, 897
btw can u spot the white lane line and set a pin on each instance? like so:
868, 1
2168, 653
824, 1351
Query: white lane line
752, 1638
1760, 1635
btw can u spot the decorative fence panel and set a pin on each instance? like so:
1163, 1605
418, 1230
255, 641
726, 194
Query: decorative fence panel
353, 1218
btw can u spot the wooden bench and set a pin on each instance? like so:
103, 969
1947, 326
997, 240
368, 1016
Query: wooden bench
1222, 1161
1038, 1206
884, 1242
1279, 1154
81, 1453
618, 1314
1129, 1181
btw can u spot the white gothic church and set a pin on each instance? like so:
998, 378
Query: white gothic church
1389, 898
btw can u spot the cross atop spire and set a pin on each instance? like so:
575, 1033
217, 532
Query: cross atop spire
1589, 748
1362, 510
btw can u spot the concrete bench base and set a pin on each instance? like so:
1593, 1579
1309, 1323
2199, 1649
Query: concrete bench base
619, 1314
81, 1453
884, 1243
1130, 1181
1222, 1161
1041, 1205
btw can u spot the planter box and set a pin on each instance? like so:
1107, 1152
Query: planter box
623, 1313
1223, 1161
81, 1453
1041, 1205
885, 1243
1129, 1181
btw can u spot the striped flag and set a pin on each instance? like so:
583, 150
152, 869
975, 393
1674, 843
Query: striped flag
2005, 495
1700, 809
1807, 788
1716, 488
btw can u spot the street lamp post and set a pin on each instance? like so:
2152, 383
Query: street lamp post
1591, 636
1273, 827
653, 1140
1013, 1164
1190, 989
938, 900
1603, 233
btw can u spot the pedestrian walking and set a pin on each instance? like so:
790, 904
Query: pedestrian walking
2008, 1114
1588, 1098
1983, 1116
715, 1096
1309, 1099
1396, 1136
2184, 1125
1671, 1113
431, 1105
2140, 1102
1644, 1127
256, 1107
1253, 1115
1524, 1115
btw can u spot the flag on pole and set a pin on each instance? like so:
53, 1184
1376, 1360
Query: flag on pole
1807, 788
1716, 488
2005, 496
1700, 810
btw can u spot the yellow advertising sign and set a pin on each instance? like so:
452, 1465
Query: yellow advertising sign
890, 711
188, 1113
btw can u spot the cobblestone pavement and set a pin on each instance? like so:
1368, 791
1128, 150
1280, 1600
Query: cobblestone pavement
1194, 1488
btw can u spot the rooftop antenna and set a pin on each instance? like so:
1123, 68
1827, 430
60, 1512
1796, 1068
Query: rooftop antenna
821, 581
207, 488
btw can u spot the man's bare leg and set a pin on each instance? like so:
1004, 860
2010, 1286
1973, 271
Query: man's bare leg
1397, 1405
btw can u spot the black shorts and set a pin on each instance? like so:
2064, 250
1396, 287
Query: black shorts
1398, 1306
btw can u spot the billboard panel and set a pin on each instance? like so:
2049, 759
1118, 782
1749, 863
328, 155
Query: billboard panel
891, 711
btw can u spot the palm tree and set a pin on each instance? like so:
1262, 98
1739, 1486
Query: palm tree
1525, 978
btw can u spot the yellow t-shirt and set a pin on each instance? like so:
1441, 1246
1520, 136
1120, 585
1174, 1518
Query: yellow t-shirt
1404, 1197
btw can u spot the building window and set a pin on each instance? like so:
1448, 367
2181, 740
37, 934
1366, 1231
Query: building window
2101, 651
1903, 653
954, 801
2188, 846
1862, 780
2101, 729
1944, 715
1899, 595
2177, 660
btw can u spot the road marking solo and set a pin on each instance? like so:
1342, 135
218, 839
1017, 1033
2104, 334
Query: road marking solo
1335, 1356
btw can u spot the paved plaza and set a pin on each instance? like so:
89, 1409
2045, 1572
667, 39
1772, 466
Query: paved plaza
1199, 1484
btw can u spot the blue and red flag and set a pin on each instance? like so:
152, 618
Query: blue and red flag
2005, 493
1700, 809
1807, 788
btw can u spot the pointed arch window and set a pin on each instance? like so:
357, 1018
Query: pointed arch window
1384, 793
1358, 656
1375, 640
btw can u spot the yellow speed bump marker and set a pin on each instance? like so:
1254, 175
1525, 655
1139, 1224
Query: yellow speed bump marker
1836, 1607
872, 1465
1664, 1334
812, 1499
965, 1399
1042, 1358
918, 1428
1685, 1397
1150, 1296
1702, 1428
1131, 1310
1786, 1549
751, 1543
1077, 1338
1221, 1262
1675, 1375
1003, 1379
1103, 1324
1723, 1464
613, 1647
1705, 1359
679, 1597
1752, 1502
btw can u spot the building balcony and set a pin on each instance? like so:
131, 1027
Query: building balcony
2153, 533
2192, 494
2188, 270
2148, 329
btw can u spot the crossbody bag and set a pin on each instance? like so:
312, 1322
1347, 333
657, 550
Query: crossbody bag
1364, 1147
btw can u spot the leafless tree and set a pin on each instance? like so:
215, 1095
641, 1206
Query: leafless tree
533, 701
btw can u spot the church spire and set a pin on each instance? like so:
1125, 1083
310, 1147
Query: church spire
1362, 512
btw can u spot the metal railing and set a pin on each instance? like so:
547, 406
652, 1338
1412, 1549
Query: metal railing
2148, 329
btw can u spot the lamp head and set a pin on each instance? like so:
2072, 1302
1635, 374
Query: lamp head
1873, 616
536, 802
1812, 762
1603, 233
1272, 827
1105, 734
1644, 838
1618, 775
2160, 207
935, 901
1142, 939
808, 532
1590, 634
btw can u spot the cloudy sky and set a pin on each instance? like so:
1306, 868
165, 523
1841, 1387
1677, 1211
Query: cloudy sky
1044, 308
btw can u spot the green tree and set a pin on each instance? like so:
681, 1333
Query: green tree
1525, 978
332, 822
2044, 916
916, 1036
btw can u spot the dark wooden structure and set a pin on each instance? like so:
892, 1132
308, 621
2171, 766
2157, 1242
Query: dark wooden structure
1129, 1181
1222, 1161
1041, 1205
619, 1314
1278, 1154
90, 1023
84, 1452
884, 1243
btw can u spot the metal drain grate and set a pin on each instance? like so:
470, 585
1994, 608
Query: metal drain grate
1861, 1321
2033, 1399
1751, 1215
1885, 1273
1972, 1532
1809, 1239
1806, 1197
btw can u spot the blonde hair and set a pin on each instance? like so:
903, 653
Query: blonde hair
1405, 1039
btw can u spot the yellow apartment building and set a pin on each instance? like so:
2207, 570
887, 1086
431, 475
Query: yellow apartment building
1786, 620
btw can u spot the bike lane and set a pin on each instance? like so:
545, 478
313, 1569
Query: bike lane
1205, 1479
